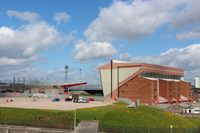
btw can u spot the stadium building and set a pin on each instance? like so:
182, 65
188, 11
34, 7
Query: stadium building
147, 82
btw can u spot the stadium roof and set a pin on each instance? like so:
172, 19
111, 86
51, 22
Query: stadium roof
67, 85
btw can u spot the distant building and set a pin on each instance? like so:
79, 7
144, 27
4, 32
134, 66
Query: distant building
147, 82
46, 89
197, 82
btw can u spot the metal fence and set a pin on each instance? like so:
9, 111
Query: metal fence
125, 129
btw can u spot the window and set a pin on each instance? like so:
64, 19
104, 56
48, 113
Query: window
159, 75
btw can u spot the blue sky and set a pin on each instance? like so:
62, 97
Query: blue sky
38, 38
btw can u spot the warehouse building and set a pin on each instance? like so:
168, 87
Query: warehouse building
147, 82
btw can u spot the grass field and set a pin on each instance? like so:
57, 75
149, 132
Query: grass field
113, 117
36, 117
117, 117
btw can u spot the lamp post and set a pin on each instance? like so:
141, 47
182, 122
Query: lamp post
75, 117
111, 78
66, 72
66, 75
80, 74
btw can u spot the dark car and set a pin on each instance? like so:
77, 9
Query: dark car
56, 100
91, 99
68, 99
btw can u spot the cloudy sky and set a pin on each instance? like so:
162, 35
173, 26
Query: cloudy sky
38, 38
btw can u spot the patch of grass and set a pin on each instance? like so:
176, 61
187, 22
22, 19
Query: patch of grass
115, 117
36, 117
143, 116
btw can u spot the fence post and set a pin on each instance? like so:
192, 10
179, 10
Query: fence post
171, 126
7, 130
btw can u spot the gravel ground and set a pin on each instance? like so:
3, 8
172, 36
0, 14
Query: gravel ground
42, 103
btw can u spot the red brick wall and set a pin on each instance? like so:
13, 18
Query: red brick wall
173, 89
184, 88
168, 89
146, 90
141, 88
163, 89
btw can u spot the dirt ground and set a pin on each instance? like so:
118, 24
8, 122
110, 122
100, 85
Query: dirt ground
43, 103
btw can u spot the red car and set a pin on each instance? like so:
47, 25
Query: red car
91, 99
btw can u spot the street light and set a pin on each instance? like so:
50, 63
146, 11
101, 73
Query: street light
75, 117
66, 71
80, 73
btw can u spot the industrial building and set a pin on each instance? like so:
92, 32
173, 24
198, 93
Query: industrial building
147, 82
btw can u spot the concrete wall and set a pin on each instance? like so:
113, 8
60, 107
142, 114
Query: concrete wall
106, 78
49, 89
24, 129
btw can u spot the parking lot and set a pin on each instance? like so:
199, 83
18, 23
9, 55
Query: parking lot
46, 103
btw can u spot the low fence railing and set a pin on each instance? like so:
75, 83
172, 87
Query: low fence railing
129, 129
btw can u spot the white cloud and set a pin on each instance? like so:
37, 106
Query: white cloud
125, 56
27, 40
187, 14
86, 51
130, 20
6, 61
135, 19
187, 58
26, 16
61, 17
189, 35
19, 46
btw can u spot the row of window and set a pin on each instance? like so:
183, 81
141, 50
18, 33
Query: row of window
158, 75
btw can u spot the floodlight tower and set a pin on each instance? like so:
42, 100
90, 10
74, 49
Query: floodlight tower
66, 72
14, 81
80, 74
18, 80
24, 81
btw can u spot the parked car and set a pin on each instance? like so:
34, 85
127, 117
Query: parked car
91, 99
195, 110
83, 100
68, 99
56, 100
